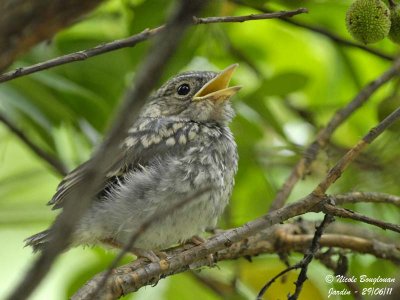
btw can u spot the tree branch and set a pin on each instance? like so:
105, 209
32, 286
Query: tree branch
52, 161
346, 213
83, 54
252, 17
288, 240
333, 37
25, 23
344, 162
132, 41
78, 200
370, 197
278, 238
324, 135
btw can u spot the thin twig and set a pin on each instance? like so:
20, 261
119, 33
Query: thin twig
51, 160
308, 257
273, 279
350, 240
332, 36
338, 39
158, 215
132, 41
369, 197
349, 157
324, 135
252, 17
346, 213
79, 199
83, 54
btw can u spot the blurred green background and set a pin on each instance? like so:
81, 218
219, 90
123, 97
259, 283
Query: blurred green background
293, 81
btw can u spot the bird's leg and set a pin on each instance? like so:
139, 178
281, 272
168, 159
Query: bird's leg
112, 243
197, 240
161, 254
149, 254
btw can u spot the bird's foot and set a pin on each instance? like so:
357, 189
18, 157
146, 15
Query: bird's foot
153, 256
198, 240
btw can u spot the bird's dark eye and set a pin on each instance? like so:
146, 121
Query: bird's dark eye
183, 89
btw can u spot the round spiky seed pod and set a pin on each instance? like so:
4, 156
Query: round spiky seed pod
394, 33
368, 21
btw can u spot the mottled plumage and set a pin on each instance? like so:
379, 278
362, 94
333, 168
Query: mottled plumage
179, 145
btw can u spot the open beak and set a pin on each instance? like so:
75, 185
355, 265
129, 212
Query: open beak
218, 87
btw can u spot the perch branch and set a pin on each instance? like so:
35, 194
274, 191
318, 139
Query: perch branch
52, 161
131, 42
278, 238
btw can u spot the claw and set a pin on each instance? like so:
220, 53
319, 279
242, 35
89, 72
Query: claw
149, 254
197, 240
161, 254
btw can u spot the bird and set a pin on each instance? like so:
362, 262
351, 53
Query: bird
179, 145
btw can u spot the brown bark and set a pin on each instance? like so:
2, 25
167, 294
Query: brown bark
24, 23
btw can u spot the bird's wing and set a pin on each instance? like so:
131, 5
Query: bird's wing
140, 148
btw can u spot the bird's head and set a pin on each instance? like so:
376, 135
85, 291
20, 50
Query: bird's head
198, 96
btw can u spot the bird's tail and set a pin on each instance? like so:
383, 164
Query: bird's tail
38, 241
